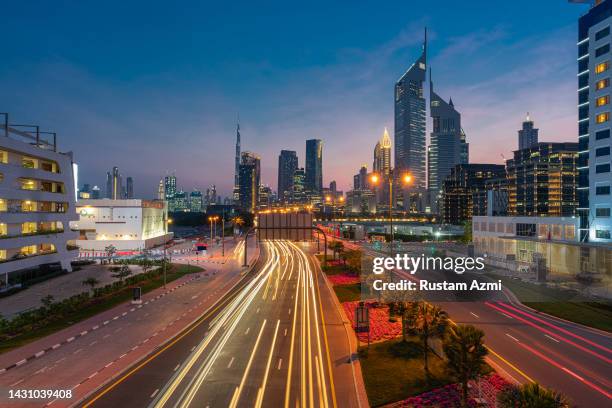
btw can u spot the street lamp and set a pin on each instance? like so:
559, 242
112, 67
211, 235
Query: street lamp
406, 180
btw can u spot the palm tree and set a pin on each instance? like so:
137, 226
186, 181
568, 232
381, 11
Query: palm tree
465, 351
531, 395
110, 252
91, 282
426, 321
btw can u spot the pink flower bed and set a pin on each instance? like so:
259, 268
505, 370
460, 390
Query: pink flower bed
380, 326
449, 396
343, 279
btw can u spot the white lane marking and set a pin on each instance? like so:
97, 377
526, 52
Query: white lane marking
78, 351
289, 311
513, 338
92, 376
108, 365
247, 331
106, 336
280, 362
552, 338
18, 382
230, 363
155, 393
177, 367
93, 342
509, 317
475, 315
285, 332
55, 346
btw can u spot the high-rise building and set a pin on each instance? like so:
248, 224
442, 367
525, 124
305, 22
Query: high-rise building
265, 196
161, 195
333, 186
287, 164
180, 202
169, 187
114, 185
410, 153
461, 193
528, 135
594, 160
299, 177
360, 180
382, 155
543, 180
129, 188
249, 181
195, 201
236, 192
314, 165
213, 195
447, 147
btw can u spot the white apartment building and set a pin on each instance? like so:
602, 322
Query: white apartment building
37, 202
556, 239
128, 225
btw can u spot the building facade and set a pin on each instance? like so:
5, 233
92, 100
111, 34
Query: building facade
129, 188
195, 201
594, 109
37, 202
128, 225
410, 122
249, 181
299, 195
314, 165
114, 184
447, 143
287, 164
462, 196
543, 180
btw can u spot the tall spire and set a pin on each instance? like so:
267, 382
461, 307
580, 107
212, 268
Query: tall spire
237, 157
425, 46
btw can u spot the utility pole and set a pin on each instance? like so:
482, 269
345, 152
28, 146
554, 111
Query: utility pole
223, 233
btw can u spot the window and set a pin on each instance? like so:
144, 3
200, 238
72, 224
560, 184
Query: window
602, 212
602, 234
602, 100
602, 134
604, 32
602, 67
602, 168
602, 50
3, 156
602, 190
603, 83
602, 117
526, 230
602, 151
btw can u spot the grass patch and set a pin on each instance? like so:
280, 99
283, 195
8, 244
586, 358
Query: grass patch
95, 306
348, 293
393, 371
555, 302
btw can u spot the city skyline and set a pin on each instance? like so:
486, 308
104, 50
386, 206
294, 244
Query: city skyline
357, 66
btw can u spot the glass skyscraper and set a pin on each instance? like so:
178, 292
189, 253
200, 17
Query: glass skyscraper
287, 164
314, 166
410, 134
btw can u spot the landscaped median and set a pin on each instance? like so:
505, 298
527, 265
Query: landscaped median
54, 316
413, 356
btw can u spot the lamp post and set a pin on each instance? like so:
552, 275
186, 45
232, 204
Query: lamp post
169, 221
376, 179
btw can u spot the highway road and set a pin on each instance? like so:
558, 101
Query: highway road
266, 344
532, 347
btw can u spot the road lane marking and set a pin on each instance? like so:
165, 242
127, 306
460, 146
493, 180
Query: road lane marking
247, 331
17, 383
262, 389
280, 362
475, 315
238, 390
177, 367
155, 393
552, 338
513, 338
285, 332
230, 363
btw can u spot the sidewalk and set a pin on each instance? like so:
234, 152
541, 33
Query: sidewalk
85, 356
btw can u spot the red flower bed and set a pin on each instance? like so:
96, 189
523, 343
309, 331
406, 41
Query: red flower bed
380, 326
449, 396
343, 279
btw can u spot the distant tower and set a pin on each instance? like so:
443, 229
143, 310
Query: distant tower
161, 194
287, 164
314, 165
382, 155
528, 135
129, 188
113, 184
237, 164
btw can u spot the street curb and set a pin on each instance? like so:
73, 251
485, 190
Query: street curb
362, 396
242, 276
